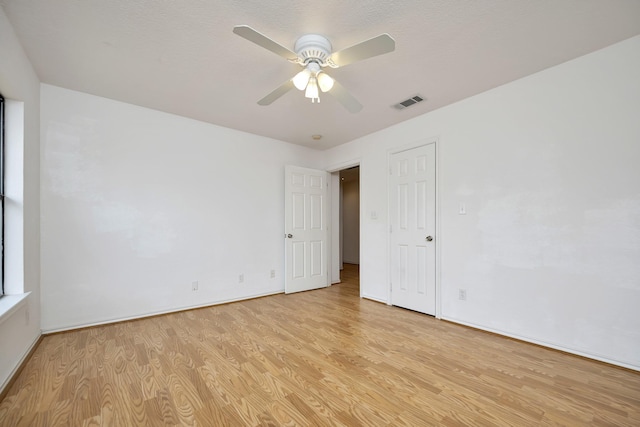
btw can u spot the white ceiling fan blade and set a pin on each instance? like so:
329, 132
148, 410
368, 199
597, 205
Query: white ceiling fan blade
263, 41
277, 93
367, 49
345, 98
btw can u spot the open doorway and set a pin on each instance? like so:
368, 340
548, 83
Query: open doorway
346, 250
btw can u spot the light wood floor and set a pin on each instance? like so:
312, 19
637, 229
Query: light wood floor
316, 358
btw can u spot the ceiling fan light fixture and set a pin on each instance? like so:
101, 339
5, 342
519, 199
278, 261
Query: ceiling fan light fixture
312, 90
325, 82
301, 79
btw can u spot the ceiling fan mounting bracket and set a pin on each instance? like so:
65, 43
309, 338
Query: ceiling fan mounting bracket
313, 48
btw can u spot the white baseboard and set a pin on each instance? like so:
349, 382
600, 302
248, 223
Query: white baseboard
546, 344
19, 364
155, 313
376, 299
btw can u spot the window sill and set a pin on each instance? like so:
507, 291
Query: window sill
10, 303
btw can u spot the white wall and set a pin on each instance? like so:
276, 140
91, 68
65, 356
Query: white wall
351, 222
138, 204
21, 88
548, 167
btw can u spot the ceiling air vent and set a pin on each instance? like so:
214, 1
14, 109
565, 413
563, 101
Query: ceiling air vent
408, 102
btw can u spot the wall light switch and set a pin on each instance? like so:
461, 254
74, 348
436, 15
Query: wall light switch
374, 215
463, 209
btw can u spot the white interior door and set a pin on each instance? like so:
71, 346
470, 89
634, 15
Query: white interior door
413, 249
306, 229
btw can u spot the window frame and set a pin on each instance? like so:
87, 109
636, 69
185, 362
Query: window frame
2, 194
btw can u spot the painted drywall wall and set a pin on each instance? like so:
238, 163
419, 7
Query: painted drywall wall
21, 88
351, 222
547, 167
138, 204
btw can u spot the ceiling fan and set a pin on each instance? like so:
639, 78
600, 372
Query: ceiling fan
314, 52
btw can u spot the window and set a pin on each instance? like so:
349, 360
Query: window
2, 194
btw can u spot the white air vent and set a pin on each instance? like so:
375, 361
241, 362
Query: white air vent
408, 102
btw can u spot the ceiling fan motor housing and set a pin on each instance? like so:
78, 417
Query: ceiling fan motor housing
313, 47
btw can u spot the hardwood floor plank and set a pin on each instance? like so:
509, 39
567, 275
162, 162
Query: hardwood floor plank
318, 358
212, 414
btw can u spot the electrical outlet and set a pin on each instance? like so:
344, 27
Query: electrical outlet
273, 274
462, 294
241, 278
194, 286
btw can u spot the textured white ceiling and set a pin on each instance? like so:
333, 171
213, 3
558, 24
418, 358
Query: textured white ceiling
180, 56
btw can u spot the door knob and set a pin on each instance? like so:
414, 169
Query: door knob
289, 236
429, 238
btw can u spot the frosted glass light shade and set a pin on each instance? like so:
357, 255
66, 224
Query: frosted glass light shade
312, 90
301, 79
325, 82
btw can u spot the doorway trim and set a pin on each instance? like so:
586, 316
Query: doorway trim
334, 229
438, 239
